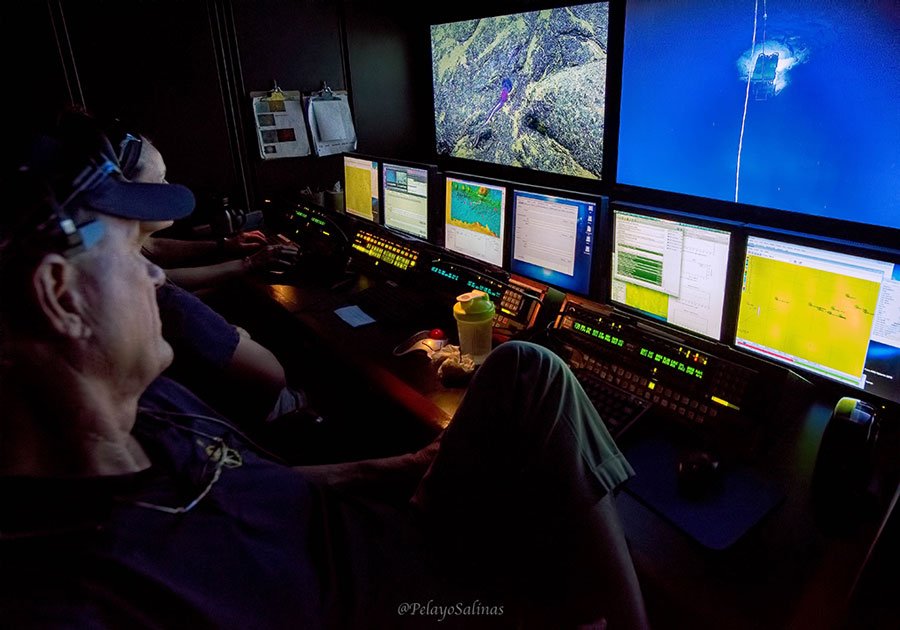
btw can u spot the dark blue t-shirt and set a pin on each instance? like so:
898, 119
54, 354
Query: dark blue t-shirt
264, 547
200, 337
256, 551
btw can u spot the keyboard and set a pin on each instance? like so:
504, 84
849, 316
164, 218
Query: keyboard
383, 250
279, 239
618, 409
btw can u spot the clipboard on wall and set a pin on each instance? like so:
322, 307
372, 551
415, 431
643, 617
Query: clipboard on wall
280, 128
330, 122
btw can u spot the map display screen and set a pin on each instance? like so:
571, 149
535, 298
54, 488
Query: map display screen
824, 312
474, 223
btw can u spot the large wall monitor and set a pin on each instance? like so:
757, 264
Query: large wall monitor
406, 197
554, 238
361, 187
474, 219
671, 268
525, 90
786, 104
830, 313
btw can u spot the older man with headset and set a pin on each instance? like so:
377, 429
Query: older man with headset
127, 502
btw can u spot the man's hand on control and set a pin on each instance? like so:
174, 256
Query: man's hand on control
272, 258
244, 243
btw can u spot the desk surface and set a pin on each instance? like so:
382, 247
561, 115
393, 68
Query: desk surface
409, 379
786, 572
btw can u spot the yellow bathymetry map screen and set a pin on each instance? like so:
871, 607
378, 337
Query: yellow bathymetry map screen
816, 315
361, 188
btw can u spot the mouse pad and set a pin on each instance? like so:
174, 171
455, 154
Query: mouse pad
717, 520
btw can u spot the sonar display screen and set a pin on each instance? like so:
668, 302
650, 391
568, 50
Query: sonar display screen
474, 221
785, 104
525, 90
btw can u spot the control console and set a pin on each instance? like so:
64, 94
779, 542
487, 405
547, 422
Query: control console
378, 249
710, 395
516, 302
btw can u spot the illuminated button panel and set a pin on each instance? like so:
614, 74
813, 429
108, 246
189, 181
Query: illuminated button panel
516, 306
508, 309
384, 250
681, 380
305, 220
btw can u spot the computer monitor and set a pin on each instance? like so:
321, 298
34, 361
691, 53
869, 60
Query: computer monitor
524, 90
671, 267
554, 236
818, 309
788, 106
407, 196
361, 187
474, 222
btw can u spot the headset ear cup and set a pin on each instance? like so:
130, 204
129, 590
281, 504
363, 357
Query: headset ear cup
131, 153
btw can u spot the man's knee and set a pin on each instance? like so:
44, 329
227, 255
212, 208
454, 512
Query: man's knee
523, 354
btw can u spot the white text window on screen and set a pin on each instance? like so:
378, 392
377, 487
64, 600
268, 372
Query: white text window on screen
481, 246
886, 328
704, 267
406, 200
648, 253
546, 233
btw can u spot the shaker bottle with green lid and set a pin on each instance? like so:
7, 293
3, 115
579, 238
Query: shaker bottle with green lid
474, 313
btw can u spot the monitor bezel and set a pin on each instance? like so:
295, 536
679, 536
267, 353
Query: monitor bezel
601, 203
828, 243
731, 296
774, 218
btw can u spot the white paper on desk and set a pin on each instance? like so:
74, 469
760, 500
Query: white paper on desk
331, 124
353, 315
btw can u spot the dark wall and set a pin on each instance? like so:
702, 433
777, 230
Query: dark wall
33, 73
390, 65
298, 44
153, 64
182, 72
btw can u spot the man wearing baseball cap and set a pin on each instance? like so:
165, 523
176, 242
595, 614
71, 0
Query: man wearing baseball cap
126, 502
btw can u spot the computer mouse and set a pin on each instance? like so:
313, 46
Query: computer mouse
699, 473
429, 341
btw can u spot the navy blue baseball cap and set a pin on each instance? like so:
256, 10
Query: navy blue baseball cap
94, 182
70, 178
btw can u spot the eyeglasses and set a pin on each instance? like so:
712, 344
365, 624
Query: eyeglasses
218, 451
